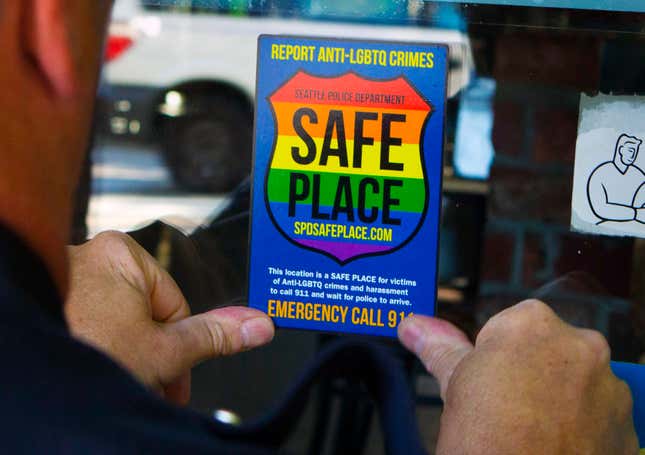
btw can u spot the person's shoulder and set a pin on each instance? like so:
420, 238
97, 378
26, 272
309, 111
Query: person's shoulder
603, 169
68, 392
637, 170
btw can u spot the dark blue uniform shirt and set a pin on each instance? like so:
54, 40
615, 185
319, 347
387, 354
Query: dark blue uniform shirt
58, 395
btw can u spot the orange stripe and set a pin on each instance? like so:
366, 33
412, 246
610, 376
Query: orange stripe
409, 131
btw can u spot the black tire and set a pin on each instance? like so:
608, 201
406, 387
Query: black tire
209, 150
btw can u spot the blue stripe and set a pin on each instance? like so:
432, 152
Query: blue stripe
636, 6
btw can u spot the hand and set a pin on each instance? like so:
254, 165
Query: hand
123, 303
640, 215
531, 384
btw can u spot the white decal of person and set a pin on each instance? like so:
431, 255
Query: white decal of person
616, 189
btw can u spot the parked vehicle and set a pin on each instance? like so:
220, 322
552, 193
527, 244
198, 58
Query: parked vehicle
182, 73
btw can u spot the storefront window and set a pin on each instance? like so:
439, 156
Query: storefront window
174, 131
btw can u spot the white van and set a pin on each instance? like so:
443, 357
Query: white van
183, 73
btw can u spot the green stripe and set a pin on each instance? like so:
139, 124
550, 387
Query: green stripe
411, 195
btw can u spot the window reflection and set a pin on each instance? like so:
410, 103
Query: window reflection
516, 78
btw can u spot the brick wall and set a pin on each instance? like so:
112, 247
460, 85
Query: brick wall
528, 242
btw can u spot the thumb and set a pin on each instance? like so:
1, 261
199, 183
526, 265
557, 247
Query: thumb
223, 331
437, 343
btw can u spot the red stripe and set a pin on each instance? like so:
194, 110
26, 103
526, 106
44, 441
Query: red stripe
307, 90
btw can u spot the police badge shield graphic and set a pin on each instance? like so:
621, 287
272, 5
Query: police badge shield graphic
347, 177
346, 182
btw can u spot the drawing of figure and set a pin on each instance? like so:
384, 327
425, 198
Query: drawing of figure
616, 189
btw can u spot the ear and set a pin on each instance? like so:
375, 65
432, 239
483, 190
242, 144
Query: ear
49, 44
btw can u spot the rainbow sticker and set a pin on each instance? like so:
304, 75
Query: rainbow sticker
347, 175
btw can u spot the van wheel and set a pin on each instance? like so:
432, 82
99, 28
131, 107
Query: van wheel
209, 151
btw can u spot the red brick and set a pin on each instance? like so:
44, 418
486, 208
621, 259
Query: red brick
519, 194
606, 262
549, 58
626, 336
497, 262
556, 131
508, 128
533, 260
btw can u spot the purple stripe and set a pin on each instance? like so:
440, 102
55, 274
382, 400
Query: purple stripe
343, 250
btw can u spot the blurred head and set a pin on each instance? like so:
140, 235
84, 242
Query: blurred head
627, 149
49, 65
50, 54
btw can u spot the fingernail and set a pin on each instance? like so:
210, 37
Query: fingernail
411, 335
256, 332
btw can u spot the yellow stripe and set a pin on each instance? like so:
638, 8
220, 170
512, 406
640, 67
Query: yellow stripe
408, 154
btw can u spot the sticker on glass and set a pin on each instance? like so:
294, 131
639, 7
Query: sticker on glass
342, 162
347, 182
609, 178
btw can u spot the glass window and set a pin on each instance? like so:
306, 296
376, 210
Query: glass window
174, 132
